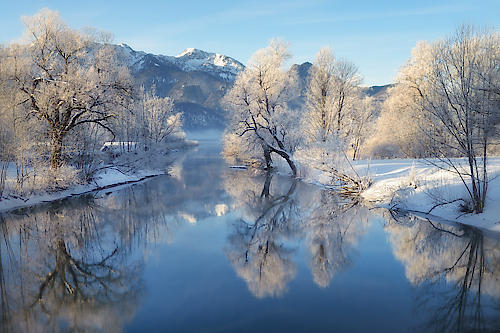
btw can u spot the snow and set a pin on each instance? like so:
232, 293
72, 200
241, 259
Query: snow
190, 51
104, 180
220, 60
134, 58
115, 146
417, 186
189, 60
197, 60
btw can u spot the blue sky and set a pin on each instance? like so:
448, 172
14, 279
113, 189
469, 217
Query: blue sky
376, 35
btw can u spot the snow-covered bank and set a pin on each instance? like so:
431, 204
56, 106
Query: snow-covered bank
125, 169
418, 186
110, 178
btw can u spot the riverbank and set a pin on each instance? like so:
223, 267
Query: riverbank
413, 185
418, 186
112, 176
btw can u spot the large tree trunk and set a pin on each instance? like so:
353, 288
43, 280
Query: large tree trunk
56, 150
287, 159
267, 156
284, 154
267, 185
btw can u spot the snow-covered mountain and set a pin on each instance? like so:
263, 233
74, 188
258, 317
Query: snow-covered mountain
195, 79
197, 60
189, 60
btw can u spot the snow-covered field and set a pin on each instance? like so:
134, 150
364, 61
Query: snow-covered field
419, 186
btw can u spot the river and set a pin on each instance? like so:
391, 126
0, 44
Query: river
214, 249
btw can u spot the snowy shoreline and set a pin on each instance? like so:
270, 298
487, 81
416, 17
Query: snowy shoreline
408, 185
416, 187
110, 179
420, 188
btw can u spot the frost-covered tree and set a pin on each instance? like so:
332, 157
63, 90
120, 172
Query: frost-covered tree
240, 149
333, 119
258, 104
319, 122
18, 134
450, 86
361, 124
331, 97
66, 78
396, 131
159, 119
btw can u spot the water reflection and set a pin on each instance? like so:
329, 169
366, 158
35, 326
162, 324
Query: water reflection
84, 264
78, 264
57, 271
274, 215
257, 246
333, 230
436, 255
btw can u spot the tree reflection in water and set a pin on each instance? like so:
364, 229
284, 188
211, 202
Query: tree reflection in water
333, 229
77, 265
64, 272
74, 265
435, 255
257, 249
273, 215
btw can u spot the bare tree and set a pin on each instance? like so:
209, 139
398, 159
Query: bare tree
66, 78
258, 103
331, 97
449, 83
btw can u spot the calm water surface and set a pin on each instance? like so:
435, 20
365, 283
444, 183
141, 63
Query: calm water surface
212, 249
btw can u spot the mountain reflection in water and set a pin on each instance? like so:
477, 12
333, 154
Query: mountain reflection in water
215, 249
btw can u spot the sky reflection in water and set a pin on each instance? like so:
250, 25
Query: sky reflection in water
215, 249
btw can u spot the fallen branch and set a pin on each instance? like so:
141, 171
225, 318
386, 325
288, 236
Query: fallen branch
443, 204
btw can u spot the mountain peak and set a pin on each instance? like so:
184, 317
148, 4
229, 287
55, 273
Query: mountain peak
191, 59
191, 52
126, 46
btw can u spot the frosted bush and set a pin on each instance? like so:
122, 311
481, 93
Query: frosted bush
50, 180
